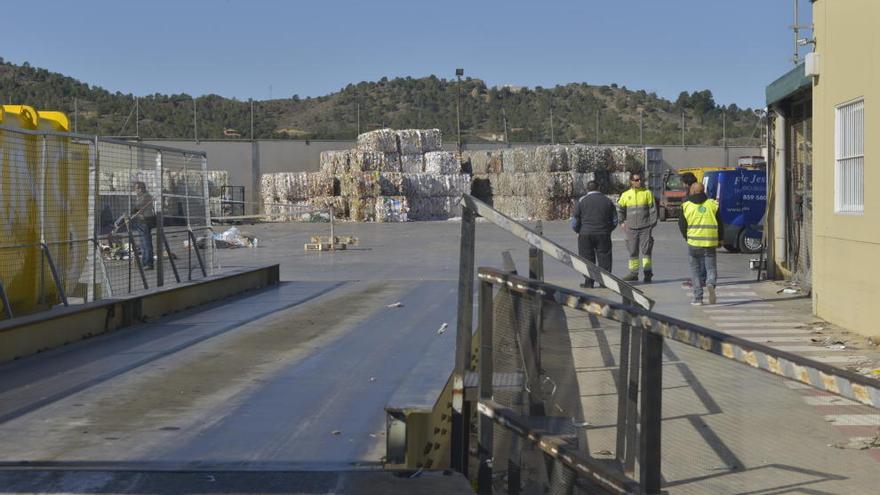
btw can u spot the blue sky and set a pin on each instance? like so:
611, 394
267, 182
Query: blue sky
241, 49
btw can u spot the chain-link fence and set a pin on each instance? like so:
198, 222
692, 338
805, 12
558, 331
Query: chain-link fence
88, 218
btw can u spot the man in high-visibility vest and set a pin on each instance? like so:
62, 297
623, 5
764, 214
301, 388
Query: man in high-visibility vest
637, 211
700, 223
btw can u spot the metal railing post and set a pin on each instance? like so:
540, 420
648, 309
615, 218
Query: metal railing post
170, 256
651, 417
464, 332
93, 208
5, 300
536, 272
206, 192
632, 400
486, 446
41, 180
132, 255
158, 210
57, 279
195, 249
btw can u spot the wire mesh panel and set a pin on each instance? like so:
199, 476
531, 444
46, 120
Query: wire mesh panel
82, 218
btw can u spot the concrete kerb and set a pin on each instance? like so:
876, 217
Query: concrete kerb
38, 332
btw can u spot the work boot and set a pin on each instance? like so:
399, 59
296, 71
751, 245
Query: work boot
632, 277
648, 276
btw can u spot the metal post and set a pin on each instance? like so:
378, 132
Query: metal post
458, 73
5, 301
252, 119
651, 420
160, 223
55, 277
93, 224
622, 395
724, 138
536, 272
632, 401
464, 332
42, 214
192, 240
170, 256
195, 122
209, 233
486, 447
135, 257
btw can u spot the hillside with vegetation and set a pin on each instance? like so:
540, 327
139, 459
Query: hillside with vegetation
518, 114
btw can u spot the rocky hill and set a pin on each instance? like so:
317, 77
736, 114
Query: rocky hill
518, 114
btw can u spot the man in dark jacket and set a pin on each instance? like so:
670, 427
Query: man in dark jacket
595, 216
700, 224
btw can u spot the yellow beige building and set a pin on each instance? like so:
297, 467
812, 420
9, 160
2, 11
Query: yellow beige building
833, 148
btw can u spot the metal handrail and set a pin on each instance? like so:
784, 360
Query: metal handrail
793, 367
578, 264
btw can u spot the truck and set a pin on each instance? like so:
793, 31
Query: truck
741, 194
671, 192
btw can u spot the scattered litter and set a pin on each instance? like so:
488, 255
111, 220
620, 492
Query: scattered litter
442, 329
372, 435
603, 452
858, 443
818, 329
836, 347
398, 304
372, 378
868, 371
579, 424
336, 432
787, 290
234, 238
559, 408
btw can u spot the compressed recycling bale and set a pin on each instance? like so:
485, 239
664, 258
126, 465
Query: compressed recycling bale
392, 209
340, 205
409, 141
335, 162
512, 206
412, 164
484, 162
379, 141
360, 185
579, 183
434, 208
367, 161
552, 158
303, 185
519, 160
549, 185
390, 163
431, 140
627, 158
583, 158
550, 208
362, 209
267, 187
618, 182
481, 188
441, 162
424, 185
510, 184
391, 184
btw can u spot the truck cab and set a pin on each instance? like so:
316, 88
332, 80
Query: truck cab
742, 197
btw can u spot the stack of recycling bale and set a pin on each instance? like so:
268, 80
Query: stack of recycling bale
530, 183
288, 192
395, 176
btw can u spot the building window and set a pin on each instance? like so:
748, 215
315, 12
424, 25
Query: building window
849, 167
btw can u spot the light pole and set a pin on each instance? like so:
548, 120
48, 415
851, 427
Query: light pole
458, 74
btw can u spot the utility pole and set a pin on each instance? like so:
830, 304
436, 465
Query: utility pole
504, 120
724, 136
796, 28
682, 129
137, 117
252, 119
195, 121
597, 128
641, 128
75, 115
458, 74
359, 114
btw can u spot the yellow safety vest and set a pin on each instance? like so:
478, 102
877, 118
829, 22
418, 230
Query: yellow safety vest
636, 205
702, 227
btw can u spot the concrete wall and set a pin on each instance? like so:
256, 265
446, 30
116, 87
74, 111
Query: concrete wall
846, 275
246, 161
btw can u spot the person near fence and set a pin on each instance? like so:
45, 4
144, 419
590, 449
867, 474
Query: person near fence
143, 219
637, 211
700, 223
594, 218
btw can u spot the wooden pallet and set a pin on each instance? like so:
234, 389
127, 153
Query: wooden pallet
325, 246
349, 240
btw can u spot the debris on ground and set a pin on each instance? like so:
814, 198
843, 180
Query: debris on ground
788, 290
234, 238
579, 424
603, 452
442, 329
858, 443
398, 304
336, 432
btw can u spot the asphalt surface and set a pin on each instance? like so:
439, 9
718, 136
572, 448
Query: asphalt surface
283, 391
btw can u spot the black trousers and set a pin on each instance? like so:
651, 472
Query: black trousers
595, 248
